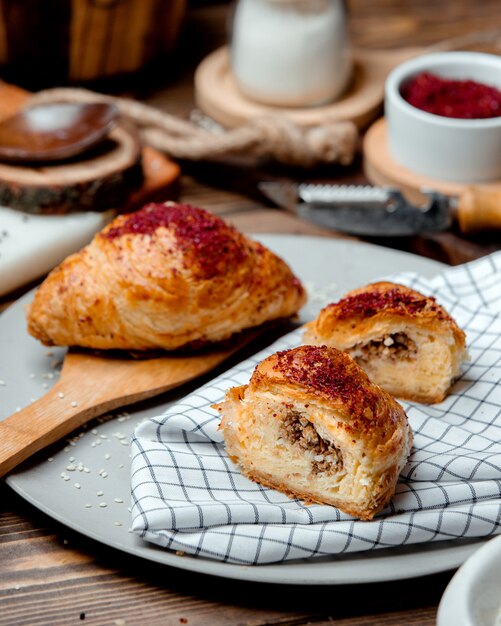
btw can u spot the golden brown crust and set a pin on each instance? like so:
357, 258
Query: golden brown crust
312, 425
368, 321
332, 376
163, 278
366, 305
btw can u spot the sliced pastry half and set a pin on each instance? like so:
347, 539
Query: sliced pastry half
406, 342
312, 425
166, 277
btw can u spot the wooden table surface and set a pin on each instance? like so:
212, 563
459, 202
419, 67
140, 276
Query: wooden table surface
50, 575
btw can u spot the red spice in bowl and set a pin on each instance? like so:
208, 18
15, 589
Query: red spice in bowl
464, 99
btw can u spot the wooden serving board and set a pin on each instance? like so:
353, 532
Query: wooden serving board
101, 180
218, 96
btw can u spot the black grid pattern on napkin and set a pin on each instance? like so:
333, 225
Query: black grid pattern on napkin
188, 495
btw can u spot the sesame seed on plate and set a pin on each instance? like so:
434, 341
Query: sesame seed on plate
103, 505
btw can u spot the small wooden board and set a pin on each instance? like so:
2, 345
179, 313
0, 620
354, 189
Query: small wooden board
218, 96
104, 179
381, 169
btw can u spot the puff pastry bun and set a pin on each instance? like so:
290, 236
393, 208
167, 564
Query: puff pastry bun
405, 341
165, 277
312, 425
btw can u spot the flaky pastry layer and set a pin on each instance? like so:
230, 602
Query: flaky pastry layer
312, 425
166, 277
406, 342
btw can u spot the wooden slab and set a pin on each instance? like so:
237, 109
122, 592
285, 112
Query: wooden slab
218, 96
159, 180
381, 169
95, 180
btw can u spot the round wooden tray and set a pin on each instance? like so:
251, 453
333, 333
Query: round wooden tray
381, 169
218, 96
58, 188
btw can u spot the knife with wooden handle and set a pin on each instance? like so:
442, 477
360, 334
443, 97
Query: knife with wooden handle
479, 209
385, 211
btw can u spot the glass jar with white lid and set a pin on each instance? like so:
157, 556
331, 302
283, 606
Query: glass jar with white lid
292, 53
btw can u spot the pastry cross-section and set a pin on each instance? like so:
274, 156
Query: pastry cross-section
169, 276
406, 342
312, 425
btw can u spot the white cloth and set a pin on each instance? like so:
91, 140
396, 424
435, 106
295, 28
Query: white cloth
31, 245
188, 495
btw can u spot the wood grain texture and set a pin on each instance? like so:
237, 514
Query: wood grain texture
45, 581
479, 209
48, 42
158, 178
51, 575
218, 96
96, 180
80, 395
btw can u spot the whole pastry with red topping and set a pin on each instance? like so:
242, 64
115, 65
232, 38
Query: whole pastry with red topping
406, 342
311, 424
166, 277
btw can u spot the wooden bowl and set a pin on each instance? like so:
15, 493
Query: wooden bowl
50, 43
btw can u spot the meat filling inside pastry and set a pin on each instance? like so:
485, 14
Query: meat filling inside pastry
166, 277
312, 425
406, 342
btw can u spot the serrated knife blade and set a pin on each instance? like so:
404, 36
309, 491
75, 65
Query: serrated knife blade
362, 209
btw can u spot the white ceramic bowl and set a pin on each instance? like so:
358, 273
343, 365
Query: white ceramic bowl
473, 596
461, 150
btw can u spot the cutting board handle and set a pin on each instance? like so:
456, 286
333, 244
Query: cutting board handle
42, 423
92, 384
479, 209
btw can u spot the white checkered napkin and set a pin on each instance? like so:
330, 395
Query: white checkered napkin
187, 494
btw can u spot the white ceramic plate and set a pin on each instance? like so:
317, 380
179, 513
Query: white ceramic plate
67, 492
472, 597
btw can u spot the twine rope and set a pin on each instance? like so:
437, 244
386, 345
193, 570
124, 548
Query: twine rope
272, 137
